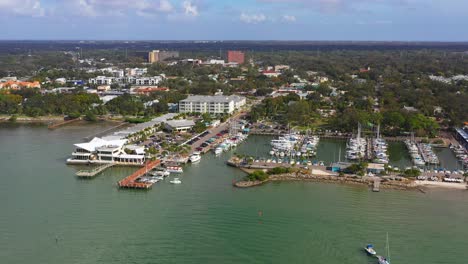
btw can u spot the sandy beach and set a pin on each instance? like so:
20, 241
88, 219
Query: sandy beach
451, 185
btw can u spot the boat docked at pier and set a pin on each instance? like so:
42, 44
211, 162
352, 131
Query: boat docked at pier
285, 142
160, 173
195, 157
379, 146
356, 147
174, 169
414, 153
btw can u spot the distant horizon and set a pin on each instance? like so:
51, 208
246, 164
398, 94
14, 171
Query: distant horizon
237, 40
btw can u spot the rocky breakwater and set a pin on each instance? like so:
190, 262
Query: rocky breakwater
401, 184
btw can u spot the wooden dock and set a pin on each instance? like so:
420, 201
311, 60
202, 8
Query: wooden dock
130, 182
93, 172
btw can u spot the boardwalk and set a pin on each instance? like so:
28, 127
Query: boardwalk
95, 171
131, 180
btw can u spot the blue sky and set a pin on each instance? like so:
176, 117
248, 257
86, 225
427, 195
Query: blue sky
427, 20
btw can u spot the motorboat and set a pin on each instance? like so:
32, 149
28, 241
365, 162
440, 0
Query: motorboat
195, 157
176, 181
218, 151
175, 169
370, 250
160, 173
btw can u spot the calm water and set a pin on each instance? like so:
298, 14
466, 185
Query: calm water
49, 216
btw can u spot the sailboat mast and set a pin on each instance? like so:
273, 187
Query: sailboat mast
388, 249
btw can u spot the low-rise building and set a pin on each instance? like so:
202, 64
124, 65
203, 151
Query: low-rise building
102, 151
136, 71
179, 125
102, 80
148, 90
271, 73
155, 80
16, 85
218, 104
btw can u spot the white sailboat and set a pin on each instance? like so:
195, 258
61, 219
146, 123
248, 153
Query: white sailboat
385, 260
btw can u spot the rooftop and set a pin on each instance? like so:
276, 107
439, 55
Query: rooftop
212, 98
180, 123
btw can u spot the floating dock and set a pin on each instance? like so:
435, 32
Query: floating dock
130, 182
93, 172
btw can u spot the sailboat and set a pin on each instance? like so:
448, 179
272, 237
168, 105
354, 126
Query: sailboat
383, 260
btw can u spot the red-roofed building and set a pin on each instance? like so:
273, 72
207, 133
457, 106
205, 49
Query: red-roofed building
148, 90
271, 73
16, 85
236, 56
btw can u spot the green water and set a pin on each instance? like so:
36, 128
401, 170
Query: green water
49, 216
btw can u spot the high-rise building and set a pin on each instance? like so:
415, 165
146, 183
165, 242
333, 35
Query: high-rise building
236, 56
157, 55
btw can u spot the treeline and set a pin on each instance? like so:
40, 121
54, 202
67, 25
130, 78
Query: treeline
35, 104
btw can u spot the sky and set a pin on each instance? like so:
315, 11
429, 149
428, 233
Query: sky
360, 20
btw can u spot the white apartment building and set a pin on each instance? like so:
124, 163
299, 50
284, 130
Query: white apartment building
136, 71
102, 80
155, 80
218, 104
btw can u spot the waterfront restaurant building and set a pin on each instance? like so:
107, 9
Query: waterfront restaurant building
217, 104
101, 151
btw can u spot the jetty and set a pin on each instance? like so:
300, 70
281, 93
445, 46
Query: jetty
107, 131
131, 181
93, 172
56, 125
376, 185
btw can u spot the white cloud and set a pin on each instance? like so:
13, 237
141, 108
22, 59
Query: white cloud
289, 18
94, 8
252, 18
22, 7
165, 6
190, 9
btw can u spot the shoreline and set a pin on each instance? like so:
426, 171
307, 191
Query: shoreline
46, 119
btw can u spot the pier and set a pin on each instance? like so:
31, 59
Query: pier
130, 182
56, 125
93, 172
376, 185
107, 131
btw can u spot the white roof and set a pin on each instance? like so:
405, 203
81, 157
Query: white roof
99, 142
180, 123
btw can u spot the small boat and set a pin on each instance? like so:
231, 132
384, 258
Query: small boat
175, 181
163, 173
370, 250
195, 157
175, 169
218, 151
